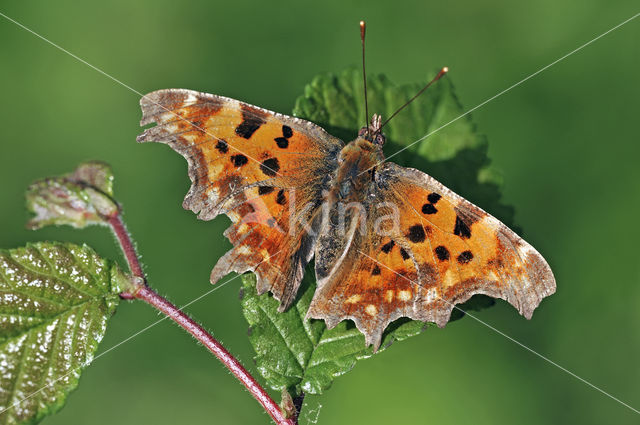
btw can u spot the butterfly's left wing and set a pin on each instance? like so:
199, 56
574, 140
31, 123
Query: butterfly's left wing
265, 171
439, 251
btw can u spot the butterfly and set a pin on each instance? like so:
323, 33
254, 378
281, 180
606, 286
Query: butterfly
387, 241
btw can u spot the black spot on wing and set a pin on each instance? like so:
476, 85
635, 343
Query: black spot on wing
375, 271
280, 198
282, 142
252, 119
442, 253
405, 254
461, 229
416, 233
239, 160
263, 190
465, 257
270, 166
248, 127
386, 248
222, 146
286, 131
433, 197
429, 209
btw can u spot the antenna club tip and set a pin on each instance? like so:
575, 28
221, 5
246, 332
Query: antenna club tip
445, 70
363, 28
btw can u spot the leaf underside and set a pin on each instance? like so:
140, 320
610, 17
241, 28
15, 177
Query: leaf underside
56, 300
303, 355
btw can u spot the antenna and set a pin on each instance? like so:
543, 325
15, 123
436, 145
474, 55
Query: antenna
363, 30
437, 77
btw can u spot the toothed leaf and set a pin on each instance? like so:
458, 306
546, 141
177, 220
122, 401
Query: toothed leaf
56, 301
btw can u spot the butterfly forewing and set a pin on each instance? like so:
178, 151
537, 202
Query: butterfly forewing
259, 168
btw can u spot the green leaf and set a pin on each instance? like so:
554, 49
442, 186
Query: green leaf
303, 355
454, 153
56, 300
79, 199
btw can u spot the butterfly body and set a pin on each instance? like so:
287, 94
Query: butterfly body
388, 241
356, 164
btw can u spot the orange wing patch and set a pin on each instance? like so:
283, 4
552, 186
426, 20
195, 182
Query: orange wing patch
260, 168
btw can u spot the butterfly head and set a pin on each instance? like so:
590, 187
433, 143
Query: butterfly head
372, 132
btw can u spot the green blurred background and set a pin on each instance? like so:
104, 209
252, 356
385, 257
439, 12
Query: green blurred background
566, 141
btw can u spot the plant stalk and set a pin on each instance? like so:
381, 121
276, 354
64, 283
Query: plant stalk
198, 332
145, 293
129, 251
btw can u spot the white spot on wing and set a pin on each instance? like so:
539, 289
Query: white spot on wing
190, 99
404, 295
371, 310
431, 295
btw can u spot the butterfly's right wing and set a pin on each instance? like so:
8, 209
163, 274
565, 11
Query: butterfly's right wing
438, 252
264, 170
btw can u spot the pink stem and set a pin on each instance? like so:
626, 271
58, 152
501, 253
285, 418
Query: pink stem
126, 244
144, 293
148, 295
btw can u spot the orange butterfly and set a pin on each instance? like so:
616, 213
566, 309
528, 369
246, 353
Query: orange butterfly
388, 241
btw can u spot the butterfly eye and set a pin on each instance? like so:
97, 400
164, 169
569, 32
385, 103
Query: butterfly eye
379, 139
376, 138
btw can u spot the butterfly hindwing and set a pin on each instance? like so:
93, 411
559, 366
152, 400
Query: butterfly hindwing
264, 170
